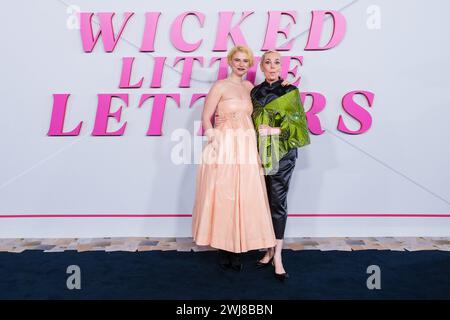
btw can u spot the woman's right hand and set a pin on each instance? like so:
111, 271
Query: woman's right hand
218, 120
212, 138
211, 135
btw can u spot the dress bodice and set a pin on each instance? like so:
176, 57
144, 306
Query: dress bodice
234, 106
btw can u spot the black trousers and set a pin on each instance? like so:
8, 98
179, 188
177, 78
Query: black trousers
277, 185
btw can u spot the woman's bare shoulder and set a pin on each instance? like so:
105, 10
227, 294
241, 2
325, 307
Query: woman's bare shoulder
248, 84
218, 86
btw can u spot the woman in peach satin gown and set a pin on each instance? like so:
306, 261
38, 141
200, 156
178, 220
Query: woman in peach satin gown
231, 210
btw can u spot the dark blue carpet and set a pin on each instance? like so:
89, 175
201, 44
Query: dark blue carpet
189, 275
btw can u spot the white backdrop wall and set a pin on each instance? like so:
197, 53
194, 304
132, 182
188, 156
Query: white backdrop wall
392, 180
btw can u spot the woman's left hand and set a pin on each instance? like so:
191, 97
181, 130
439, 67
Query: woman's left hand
265, 130
285, 83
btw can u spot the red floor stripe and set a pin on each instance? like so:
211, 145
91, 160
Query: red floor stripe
300, 215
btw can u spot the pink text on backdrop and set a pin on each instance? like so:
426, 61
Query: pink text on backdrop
225, 30
190, 64
160, 100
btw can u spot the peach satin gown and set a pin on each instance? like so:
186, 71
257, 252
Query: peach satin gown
231, 209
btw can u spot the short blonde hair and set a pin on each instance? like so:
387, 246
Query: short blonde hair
263, 57
243, 49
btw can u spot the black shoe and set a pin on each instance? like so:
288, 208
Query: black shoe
236, 263
260, 265
281, 276
224, 260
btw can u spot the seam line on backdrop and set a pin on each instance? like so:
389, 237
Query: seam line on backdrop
389, 167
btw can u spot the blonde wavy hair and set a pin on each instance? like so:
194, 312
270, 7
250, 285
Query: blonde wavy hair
243, 49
